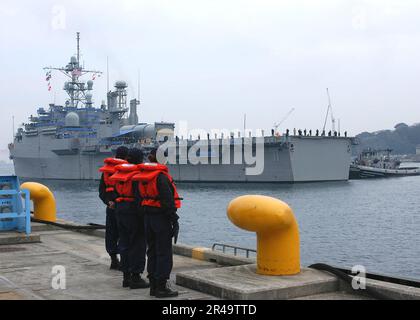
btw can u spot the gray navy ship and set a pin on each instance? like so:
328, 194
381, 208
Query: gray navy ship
70, 142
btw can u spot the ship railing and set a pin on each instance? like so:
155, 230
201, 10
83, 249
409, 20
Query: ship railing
227, 248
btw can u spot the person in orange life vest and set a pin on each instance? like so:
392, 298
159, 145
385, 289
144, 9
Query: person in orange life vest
108, 195
160, 201
130, 223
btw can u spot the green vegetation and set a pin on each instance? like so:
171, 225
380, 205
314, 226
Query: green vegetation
402, 140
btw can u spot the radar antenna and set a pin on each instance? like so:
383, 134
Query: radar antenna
76, 89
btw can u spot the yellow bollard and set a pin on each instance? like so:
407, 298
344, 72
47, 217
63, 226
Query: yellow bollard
278, 251
44, 201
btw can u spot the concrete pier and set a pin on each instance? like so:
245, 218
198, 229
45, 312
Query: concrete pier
242, 283
199, 273
26, 269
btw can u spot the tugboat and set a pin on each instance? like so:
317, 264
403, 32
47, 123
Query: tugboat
379, 164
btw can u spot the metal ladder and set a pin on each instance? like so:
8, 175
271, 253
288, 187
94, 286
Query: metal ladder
13, 215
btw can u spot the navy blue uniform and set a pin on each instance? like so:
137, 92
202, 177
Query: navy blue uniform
132, 237
158, 225
111, 231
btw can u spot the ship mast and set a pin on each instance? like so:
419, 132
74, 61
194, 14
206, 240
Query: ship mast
78, 91
78, 47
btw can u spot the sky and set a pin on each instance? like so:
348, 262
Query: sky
209, 62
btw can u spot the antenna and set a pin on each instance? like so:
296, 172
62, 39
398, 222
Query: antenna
13, 127
138, 86
244, 124
78, 47
74, 70
107, 75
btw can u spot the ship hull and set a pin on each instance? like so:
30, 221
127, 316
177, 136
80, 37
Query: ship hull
307, 159
364, 172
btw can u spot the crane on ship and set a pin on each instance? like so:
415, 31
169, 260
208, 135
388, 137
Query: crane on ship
277, 125
329, 110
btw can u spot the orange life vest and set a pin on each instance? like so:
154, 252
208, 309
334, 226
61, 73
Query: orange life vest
123, 183
147, 179
108, 170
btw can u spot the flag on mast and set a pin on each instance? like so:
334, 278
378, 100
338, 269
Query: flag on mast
48, 78
76, 73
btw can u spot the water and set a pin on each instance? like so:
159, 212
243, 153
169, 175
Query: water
374, 223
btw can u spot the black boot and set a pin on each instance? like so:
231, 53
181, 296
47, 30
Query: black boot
137, 282
152, 282
115, 263
126, 279
163, 290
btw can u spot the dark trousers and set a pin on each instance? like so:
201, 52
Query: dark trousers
111, 232
159, 242
132, 243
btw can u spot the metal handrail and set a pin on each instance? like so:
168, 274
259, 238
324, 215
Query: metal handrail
235, 248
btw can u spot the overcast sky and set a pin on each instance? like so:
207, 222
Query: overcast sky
210, 62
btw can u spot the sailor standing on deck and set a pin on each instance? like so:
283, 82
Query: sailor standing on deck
107, 195
130, 222
160, 201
